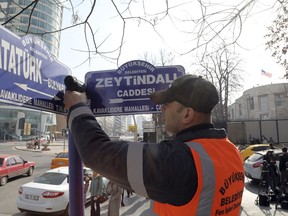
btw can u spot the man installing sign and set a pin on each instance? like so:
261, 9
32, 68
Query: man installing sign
199, 172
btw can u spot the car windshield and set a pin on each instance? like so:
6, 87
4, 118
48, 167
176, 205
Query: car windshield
51, 178
255, 157
1, 162
62, 155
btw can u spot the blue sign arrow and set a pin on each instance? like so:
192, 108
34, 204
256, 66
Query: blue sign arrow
30, 76
127, 89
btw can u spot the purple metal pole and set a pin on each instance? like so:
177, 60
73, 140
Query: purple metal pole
76, 178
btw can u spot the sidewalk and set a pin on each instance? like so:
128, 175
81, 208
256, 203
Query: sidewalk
53, 148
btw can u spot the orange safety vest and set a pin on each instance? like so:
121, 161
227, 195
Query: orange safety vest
220, 181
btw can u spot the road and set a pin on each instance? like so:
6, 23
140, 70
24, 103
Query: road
9, 192
135, 205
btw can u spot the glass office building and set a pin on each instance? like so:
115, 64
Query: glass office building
41, 18
24, 124
38, 19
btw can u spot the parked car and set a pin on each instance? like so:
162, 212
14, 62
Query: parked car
49, 192
61, 159
251, 149
14, 165
253, 165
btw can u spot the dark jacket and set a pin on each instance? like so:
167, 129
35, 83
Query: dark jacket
141, 167
282, 161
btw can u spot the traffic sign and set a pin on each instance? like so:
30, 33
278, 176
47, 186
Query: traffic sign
148, 130
127, 89
30, 75
148, 124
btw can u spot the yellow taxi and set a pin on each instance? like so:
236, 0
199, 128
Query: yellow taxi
251, 149
61, 159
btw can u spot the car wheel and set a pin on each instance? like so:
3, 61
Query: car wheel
3, 180
66, 213
30, 171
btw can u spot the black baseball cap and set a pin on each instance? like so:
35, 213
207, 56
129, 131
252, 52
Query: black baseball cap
191, 91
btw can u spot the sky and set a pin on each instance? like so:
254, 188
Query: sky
140, 38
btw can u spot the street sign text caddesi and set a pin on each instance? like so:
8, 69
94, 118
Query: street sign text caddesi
127, 89
30, 76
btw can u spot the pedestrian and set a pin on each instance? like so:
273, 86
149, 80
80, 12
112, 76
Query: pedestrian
53, 138
86, 185
264, 140
115, 199
283, 168
122, 198
36, 143
198, 172
96, 189
274, 176
271, 141
129, 193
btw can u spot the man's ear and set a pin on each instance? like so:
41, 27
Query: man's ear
189, 115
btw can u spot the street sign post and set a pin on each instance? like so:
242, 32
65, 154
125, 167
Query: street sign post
127, 89
30, 76
148, 126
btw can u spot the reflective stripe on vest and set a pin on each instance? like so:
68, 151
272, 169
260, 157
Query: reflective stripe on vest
208, 188
76, 112
135, 168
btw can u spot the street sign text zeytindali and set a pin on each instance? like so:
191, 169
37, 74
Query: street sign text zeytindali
127, 89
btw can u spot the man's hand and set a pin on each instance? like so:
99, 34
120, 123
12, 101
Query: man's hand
72, 98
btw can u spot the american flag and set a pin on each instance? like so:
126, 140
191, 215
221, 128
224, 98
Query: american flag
266, 73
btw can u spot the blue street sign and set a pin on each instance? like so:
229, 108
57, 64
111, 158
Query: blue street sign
30, 76
127, 89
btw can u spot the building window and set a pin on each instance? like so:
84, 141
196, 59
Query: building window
251, 103
279, 99
263, 103
232, 114
240, 109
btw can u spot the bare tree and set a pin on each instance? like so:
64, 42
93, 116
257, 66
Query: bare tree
165, 58
148, 57
278, 38
223, 68
199, 22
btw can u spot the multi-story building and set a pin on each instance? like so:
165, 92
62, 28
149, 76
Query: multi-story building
260, 111
106, 123
40, 18
22, 123
261, 103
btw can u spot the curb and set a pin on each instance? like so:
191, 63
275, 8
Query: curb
53, 152
23, 149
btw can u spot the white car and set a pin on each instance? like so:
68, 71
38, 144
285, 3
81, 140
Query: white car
49, 192
253, 165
